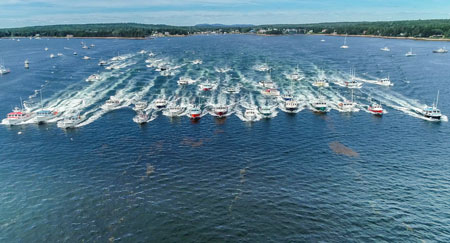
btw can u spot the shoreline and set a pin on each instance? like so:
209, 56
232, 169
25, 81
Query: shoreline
268, 35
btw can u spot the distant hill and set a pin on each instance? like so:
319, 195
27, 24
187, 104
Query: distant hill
436, 28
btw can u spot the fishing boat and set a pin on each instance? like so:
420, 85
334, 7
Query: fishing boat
410, 53
142, 52
75, 53
220, 110
69, 121
322, 40
250, 114
287, 97
52, 55
432, 112
197, 62
195, 113
93, 78
140, 118
85, 47
271, 92
376, 109
321, 83
185, 81
291, 106
262, 67
59, 54
348, 106
160, 103
232, 90
384, 82
102, 63
385, 49
265, 111
353, 84
27, 64
111, 103
441, 50
86, 58
46, 49
266, 84
16, 117
44, 115
174, 110
4, 70
206, 87
295, 76
92, 45
345, 44
140, 105
320, 106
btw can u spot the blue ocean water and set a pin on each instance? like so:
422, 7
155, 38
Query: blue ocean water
296, 177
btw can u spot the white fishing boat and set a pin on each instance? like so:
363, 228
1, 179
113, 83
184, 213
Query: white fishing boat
52, 55
220, 110
4, 70
265, 111
92, 45
385, 49
441, 50
111, 103
321, 83
197, 62
69, 121
26, 64
160, 103
376, 109
102, 63
184, 81
206, 86
85, 47
384, 81
140, 118
142, 51
320, 106
291, 106
271, 92
46, 49
250, 114
322, 40
86, 58
295, 76
140, 105
44, 115
348, 106
232, 90
432, 112
287, 97
195, 113
410, 53
262, 67
16, 117
93, 78
59, 54
352, 83
345, 46
174, 111
75, 53
267, 84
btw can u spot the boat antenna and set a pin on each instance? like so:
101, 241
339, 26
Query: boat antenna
21, 103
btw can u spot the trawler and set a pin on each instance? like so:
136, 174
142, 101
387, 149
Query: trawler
70, 121
291, 106
174, 110
140, 118
265, 111
385, 49
16, 117
441, 50
220, 110
111, 103
432, 112
195, 113
160, 103
140, 105
348, 106
250, 114
376, 109
384, 81
320, 106
321, 83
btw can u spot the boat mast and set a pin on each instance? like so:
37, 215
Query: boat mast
437, 99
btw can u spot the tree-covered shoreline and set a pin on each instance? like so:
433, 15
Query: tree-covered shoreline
439, 28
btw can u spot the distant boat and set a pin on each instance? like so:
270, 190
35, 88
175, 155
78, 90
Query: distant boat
352, 83
271, 92
432, 112
92, 45
17, 116
140, 105
93, 78
4, 70
220, 110
348, 105
102, 63
320, 106
43, 115
141, 118
441, 50
206, 86
175, 110
291, 106
384, 82
250, 114
410, 53
111, 103
70, 121
321, 83
195, 113
59, 54
86, 58
85, 47
345, 44
75, 53
52, 55
265, 111
160, 103
322, 40
385, 49
46, 49
376, 109
197, 61
27, 64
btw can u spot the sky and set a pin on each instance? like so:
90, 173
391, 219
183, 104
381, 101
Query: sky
19, 13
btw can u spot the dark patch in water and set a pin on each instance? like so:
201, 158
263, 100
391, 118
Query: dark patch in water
339, 148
